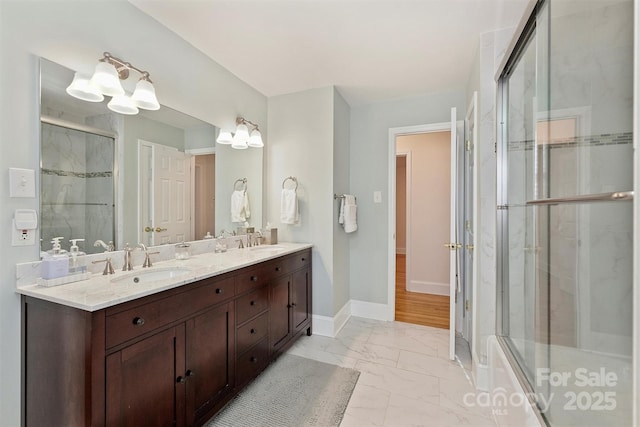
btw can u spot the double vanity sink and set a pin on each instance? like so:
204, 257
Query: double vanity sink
191, 333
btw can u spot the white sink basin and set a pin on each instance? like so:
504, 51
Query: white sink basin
266, 248
153, 275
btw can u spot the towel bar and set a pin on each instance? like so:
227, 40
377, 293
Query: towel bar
342, 196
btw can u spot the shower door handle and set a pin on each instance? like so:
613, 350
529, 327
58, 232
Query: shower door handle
616, 196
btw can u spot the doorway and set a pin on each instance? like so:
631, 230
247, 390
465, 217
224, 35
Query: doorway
204, 187
423, 211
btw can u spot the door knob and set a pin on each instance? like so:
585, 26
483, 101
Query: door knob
159, 230
452, 246
148, 229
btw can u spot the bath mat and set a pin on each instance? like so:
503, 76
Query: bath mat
292, 392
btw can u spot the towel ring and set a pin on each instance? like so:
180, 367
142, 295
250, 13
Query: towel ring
292, 178
242, 181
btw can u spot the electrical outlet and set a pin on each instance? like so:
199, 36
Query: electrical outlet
22, 237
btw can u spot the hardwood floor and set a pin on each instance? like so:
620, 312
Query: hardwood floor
418, 308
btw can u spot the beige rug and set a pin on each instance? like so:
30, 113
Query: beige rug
292, 392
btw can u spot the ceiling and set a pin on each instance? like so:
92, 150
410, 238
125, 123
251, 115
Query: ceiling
371, 50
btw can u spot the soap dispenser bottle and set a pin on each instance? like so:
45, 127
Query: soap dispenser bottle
55, 264
77, 262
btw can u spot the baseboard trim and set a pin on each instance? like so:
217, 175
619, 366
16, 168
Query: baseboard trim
330, 326
434, 288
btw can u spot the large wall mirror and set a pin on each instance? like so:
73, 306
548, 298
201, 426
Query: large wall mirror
157, 177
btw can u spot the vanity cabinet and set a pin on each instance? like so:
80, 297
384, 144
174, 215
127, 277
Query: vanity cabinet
173, 358
289, 300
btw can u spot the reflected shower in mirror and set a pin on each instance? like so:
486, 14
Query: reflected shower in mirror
156, 177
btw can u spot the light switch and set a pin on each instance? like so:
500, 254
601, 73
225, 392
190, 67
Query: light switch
377, 197
22, 182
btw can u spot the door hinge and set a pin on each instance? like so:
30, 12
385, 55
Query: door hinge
467, 225
467, 305
468, 145
502, 207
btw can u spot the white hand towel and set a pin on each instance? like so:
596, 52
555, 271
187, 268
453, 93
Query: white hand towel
238, 202
341, 215
350, 224
289, 213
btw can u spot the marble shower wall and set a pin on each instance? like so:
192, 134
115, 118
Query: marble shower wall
77, 188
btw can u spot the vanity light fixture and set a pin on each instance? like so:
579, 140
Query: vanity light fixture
106, 81
242, 138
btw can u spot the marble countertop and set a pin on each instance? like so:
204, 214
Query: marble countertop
101, 291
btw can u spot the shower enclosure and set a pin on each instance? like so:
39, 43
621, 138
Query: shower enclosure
565, 152
77, 193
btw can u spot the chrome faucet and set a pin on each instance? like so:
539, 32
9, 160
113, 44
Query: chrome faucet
126, 265
108, 247
229, 233
147, 259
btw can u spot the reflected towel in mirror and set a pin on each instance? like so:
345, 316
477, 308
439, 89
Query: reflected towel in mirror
240, 206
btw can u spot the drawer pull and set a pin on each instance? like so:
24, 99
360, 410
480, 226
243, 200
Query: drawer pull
304, 259
252, 303
289, 306
190, 373
138, 321
252, 331
181, 380
293, 304
219, 291
253, 359
254, 278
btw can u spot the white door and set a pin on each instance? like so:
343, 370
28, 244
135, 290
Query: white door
453, 244
164, 209
171, 195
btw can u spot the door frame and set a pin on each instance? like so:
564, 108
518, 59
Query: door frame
391, 202
407, 231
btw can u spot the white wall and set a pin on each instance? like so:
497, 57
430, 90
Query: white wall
369, 164
75, 34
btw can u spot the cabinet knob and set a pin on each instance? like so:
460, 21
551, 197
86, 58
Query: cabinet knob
277, 268
289, 306
181, 380
252, 303
254, 278
253, 331
293, 304
219, 291
190, 373
303, 259
138, 321
253, 359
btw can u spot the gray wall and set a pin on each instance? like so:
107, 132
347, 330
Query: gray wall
75, 34
369, 164
301, 145
341, 161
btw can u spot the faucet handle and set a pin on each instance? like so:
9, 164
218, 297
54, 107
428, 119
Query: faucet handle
147, 259
108, 268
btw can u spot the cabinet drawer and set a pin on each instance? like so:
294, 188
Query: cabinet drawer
250, 279
252, 332
287, 264
128, 324
250, 363
252, 304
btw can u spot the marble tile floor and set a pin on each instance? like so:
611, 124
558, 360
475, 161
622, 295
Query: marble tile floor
406, 378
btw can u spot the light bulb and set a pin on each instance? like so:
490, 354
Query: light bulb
105, 78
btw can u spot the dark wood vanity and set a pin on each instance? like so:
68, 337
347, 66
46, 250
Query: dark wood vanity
173, 358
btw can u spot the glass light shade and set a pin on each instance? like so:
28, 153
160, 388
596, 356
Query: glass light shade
256, 139
123, 104
81, 89
105, 78
224, 137
145, 95
241, 137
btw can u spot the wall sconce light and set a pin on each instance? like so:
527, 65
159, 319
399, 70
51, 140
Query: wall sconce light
106, 81
242, 138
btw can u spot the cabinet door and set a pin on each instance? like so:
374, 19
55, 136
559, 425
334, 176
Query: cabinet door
142, 386
209, 359
300, 299
279, 319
